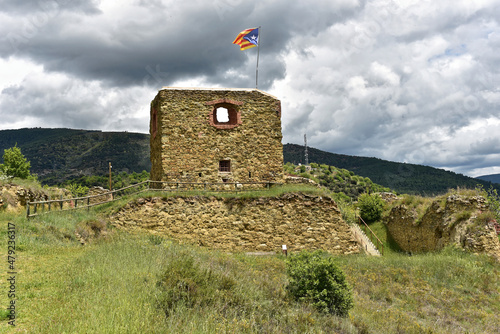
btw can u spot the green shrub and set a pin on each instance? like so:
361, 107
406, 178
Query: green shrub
315, 278
371, 207
493, 199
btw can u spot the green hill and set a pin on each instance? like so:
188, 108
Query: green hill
402, 177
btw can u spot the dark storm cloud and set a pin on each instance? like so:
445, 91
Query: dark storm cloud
176, 41
415, 81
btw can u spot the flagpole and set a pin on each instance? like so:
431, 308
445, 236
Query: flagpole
257, 68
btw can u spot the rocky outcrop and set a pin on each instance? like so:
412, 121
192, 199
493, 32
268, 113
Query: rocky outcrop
456, 220
300, 221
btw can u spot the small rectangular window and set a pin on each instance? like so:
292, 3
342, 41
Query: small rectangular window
224, 166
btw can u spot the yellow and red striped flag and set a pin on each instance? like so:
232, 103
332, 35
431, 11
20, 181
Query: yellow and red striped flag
247, 38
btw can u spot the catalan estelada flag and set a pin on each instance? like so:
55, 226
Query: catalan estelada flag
247, 38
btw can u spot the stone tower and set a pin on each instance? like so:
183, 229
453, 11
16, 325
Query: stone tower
216, 135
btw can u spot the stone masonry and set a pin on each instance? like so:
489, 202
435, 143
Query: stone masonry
300, 221
190, 142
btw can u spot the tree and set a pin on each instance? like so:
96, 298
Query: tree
15, 164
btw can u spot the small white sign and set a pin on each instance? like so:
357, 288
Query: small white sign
283, 247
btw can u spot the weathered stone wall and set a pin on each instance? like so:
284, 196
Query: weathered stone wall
299, 221
96, 191
14, 197
451, 223
186, 145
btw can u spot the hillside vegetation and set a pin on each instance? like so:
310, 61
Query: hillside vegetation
58, 155
340, 181
402, 177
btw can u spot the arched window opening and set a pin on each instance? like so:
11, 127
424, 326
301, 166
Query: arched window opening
225, 116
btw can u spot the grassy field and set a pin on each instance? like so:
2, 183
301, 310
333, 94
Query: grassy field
123, 283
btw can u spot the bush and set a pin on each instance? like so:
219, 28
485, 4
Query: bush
189, 284
314, 278
370, 207
77, 190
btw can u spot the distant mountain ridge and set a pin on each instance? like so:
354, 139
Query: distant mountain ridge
494, 178
59, 154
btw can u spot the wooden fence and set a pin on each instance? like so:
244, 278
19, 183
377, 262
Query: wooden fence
39, 207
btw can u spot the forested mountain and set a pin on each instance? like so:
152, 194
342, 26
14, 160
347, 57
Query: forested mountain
57, 155
60, 154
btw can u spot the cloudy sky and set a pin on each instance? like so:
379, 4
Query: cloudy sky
412, 81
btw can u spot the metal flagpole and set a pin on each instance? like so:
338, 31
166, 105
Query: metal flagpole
257, 68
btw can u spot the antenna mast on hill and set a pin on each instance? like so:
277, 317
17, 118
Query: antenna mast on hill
305, 150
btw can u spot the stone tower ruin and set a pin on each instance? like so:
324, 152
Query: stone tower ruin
215, 135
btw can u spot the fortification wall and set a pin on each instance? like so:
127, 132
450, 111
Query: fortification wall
188, 143
300, 221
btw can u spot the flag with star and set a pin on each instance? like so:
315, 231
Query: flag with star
247, 38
